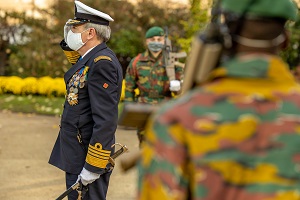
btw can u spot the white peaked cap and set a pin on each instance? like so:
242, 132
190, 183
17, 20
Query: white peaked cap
84, 14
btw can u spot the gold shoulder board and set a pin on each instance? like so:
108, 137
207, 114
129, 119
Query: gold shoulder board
102, 58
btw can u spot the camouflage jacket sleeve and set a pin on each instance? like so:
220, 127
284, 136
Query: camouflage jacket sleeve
161, 174
130, 83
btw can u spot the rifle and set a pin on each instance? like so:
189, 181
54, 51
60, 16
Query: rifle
81, 189
134, 115
171, 58
205, 55
131, 161
206, 52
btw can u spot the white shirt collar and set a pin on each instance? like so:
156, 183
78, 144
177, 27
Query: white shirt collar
88, 51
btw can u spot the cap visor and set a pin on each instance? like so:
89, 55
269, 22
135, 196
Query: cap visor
74, 22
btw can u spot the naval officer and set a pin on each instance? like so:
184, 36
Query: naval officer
89, 119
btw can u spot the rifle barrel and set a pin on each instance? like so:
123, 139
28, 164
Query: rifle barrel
130, 162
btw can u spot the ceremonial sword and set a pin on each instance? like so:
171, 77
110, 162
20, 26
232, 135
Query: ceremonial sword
111, 163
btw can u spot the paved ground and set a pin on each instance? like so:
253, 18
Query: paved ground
25, 145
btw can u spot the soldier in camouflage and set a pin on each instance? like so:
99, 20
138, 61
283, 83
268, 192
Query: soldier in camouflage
236, 137
147, 73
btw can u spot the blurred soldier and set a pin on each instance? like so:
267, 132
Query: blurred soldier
147, 73
89, 119
237, 136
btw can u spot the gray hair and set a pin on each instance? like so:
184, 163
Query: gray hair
103, 32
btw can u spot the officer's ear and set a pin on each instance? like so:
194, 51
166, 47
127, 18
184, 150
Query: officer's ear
91, 33
286, 42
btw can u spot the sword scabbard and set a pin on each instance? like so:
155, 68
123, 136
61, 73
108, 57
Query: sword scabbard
69, 190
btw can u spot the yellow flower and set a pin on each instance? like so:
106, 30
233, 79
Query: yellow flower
45, 86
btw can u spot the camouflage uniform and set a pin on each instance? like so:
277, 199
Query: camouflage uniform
236, 138
149, 76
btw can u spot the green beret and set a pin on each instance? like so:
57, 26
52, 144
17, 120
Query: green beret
154, 31
286, 9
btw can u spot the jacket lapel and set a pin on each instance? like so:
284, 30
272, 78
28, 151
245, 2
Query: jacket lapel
82, 63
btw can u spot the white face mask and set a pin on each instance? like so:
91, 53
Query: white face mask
74, 40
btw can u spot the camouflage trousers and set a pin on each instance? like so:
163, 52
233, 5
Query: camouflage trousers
140, 134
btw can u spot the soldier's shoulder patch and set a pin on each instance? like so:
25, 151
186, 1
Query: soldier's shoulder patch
102, 58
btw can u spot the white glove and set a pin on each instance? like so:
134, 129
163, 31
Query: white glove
174, 85
66, 30
87, 177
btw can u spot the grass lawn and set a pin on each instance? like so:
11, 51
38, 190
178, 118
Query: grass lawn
32, 104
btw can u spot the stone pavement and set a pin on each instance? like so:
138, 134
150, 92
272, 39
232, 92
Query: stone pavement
25, 145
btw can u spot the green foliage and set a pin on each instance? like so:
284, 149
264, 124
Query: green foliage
132, 22
129, 47
37, 52
291, 54
40, 54
30, 46
10, 30
197, 20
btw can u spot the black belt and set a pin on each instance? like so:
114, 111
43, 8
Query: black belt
153, 94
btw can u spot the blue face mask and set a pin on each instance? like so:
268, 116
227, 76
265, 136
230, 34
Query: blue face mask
155, 46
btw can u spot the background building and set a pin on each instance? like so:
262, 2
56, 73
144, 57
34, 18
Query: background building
29, 6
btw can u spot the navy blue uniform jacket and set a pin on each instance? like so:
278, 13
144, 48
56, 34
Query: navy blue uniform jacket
90, 115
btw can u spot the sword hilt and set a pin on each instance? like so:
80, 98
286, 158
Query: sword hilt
112, 158
79, 187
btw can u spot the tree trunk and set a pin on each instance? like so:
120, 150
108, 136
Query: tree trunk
3, 62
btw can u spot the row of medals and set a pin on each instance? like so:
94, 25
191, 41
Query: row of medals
77, 81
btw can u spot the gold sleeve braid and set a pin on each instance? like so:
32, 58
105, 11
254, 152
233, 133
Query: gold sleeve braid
72, 56
97, 157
